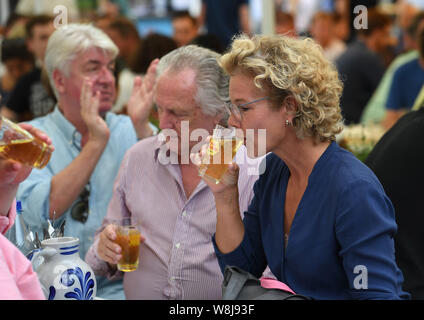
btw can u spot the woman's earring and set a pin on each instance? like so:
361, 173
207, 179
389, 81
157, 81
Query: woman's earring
287, 123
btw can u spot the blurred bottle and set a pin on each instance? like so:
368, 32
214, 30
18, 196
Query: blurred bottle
20, 235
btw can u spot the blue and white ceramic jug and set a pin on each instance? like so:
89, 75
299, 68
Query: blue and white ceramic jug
62, 273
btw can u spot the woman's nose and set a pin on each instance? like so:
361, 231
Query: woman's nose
233, 122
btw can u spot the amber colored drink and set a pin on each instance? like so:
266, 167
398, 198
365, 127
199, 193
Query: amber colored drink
128, 238
219, 155
32, 152
18, 144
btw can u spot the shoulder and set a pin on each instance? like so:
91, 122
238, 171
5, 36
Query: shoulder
408, 124
117, 120
406, 68
143, 149
121, 127
401, 143
403, 59
406, 72
355, 60
361, 53
347, 172
43, 123
357, 190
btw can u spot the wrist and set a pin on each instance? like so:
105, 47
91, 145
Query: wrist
7, 195
144, 130
96, 144
137, 118
228, 196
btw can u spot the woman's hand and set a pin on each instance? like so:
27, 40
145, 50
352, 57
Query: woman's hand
228, 182
12, 172
229, 225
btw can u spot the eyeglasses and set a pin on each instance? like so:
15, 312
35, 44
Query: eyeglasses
79, 210
237, 111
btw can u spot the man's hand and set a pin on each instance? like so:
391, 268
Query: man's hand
97, 127
141, 101
107, 249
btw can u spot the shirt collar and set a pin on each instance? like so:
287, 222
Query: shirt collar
71, 134
159, 148
162, 153
67, 128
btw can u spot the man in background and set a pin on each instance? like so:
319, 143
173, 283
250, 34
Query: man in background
225, 19
30, 98
361, 66
185, 28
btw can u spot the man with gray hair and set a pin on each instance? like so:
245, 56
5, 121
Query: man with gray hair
160, 187
89, 141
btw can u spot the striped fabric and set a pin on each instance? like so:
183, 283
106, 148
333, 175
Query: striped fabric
177, 260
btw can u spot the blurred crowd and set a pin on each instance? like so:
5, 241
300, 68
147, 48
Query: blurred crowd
366, 58
26, 26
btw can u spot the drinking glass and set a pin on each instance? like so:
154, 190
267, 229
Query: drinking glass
128, 238
18, 144
221, 150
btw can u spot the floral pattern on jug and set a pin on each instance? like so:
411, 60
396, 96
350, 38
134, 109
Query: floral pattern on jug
62, 273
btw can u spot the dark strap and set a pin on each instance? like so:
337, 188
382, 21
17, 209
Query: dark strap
234, 281
241, 285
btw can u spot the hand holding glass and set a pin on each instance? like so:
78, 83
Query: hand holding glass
128, 238
222, 148
18, 144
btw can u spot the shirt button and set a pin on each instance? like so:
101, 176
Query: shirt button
177, 245
184, 213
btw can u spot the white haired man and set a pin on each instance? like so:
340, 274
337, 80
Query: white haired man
175, 207
89, 141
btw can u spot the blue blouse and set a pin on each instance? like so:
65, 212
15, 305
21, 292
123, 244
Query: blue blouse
341, 239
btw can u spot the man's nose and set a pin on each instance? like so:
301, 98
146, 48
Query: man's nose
165, 121
106, 76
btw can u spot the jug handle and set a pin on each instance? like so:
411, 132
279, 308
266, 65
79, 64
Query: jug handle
44, 254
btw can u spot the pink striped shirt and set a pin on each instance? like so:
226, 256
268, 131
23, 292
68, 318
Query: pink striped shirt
177, 260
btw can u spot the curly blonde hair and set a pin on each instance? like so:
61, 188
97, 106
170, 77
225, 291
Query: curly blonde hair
287, 66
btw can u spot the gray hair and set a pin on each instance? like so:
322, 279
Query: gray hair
68, 41
212, 82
